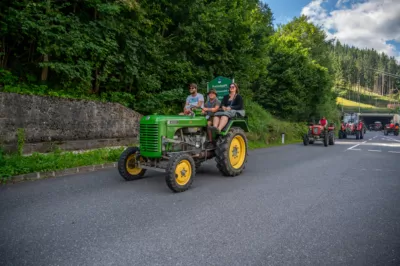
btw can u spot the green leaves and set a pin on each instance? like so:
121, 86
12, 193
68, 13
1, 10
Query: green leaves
144, 53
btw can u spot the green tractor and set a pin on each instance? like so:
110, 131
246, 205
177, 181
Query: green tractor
176, 145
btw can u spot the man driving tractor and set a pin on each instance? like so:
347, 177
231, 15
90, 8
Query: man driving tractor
323, 122
195, 99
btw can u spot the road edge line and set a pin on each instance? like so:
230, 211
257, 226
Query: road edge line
58, 173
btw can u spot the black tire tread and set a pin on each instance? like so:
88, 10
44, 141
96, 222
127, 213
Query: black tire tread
222, 156
170, 177
122, 164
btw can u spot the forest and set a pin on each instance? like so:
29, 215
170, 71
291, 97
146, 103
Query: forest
143, 54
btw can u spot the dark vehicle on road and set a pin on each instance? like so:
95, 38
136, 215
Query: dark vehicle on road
378, 125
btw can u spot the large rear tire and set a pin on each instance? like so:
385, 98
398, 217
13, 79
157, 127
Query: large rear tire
231, 152
326, 139
332, 138
127, 164
357, 134
180, 172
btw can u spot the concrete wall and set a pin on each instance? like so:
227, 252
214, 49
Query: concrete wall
396, 118
70, 124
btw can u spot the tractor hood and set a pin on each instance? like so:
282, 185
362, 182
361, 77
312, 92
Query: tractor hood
183, 120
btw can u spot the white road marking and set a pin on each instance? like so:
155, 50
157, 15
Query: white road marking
389, 138
355, 150
370, 144
370, 139
394, 151
375, 150
352, 147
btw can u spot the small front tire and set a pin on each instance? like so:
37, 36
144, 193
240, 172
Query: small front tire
306, 140
180, 172
127, 164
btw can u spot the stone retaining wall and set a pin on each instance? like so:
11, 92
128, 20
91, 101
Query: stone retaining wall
68, 123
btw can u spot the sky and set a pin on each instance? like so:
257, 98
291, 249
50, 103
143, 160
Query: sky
360, 23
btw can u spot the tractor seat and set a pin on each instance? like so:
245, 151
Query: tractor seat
236, 117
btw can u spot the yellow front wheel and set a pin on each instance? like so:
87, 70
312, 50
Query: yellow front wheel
231, 152
180, 172
128, 164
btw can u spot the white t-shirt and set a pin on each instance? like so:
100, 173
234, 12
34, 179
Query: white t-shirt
194, 100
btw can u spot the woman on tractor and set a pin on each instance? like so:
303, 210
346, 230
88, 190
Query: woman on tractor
230, 105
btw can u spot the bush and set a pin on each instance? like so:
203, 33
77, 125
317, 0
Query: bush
266, 130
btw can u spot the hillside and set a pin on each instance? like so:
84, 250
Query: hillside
355, 97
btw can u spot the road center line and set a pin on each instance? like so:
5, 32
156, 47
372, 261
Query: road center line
356, 145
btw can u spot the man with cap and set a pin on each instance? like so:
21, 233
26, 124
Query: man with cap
210, 108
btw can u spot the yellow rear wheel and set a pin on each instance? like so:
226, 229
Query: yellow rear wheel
237, 151
231, 152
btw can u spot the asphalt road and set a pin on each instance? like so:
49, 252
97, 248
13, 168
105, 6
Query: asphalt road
293, 205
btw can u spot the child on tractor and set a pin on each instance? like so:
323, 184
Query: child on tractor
210, 108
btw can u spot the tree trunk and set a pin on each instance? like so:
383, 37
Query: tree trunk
96, 82
45, 70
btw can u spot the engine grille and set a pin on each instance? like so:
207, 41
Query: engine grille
315, 130
149, 139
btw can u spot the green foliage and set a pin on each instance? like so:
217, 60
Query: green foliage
362, 69
140, 54
20, 140
266, 130
296, 87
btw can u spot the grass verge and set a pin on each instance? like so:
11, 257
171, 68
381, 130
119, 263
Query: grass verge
14, 164
345, 102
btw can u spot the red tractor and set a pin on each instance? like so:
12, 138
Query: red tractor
320, 133
351, 126
391, 128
